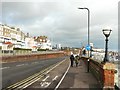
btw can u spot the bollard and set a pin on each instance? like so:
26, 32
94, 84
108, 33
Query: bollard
88, 65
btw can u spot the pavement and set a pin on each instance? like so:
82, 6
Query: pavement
79, 78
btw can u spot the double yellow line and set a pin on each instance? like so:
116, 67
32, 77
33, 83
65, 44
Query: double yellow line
30, 80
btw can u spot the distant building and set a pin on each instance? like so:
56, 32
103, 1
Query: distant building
98, 50
91, 44
1, 35
30, 43
41, 39
59, 46
11, 35
47, 45
43, 42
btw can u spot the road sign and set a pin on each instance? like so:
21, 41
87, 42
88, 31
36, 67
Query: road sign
88, 47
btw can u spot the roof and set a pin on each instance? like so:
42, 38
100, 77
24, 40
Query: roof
7, 43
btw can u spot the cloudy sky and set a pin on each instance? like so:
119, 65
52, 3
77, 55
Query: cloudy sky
62, 21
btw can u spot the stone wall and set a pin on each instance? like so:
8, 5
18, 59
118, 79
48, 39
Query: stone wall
19, 58
104, 73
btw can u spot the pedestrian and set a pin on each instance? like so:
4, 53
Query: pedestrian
72, 60
76, 60
84, 52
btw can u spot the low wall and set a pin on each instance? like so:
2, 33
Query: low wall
19, 58
104, 73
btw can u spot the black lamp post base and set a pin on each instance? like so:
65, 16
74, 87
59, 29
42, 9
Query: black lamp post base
104, 61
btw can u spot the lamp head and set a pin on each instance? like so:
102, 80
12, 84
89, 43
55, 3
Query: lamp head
83, 8
107, 32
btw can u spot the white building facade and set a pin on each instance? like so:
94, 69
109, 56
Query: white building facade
13, 37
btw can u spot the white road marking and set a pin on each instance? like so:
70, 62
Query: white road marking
45, 78
51, 70
16, 66
55, 78
62, 78
5, 68
42, 84
20, 65
45, 84
25, 86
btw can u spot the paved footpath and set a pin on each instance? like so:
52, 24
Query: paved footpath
78, 77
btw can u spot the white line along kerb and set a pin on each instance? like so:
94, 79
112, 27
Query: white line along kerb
5, 68
62, 77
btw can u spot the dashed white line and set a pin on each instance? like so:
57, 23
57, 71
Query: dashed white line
16, 66
4, 68
20, 65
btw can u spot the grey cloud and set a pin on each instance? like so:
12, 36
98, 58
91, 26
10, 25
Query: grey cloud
28, 12
61, 21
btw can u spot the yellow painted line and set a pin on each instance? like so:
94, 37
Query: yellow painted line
30, 82
33, 81
29, 79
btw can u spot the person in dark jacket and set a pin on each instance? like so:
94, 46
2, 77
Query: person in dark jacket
72, 60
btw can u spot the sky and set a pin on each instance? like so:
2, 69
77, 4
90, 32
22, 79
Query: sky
62, 21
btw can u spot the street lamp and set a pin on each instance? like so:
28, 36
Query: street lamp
106, 32
88, 24
88, 32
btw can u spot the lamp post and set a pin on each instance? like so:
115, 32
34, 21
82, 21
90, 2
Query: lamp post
88, 33
88, 23
106, 32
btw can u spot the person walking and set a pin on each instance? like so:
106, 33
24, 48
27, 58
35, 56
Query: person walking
76, 60
72, 60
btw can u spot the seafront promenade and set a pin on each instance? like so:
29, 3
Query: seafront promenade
100, 76
80, 78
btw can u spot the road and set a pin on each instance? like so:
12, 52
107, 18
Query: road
53, 78
14, 72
